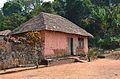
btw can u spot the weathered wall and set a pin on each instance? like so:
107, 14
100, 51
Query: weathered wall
86, 44
4, 46
75, 42
55, 43
20, 53
85, 48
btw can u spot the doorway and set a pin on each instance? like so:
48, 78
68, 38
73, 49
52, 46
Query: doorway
70, 46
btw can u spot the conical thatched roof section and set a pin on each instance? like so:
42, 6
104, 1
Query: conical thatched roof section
46, 21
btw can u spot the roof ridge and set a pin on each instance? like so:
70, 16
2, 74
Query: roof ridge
43, 16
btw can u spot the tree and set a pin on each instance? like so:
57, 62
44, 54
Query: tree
99, 17
11, 22
74, 10
59, 7
105, 2
47, 7
11, 7
1, 19
1, 15
29, 5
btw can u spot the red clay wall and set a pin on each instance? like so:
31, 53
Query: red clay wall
56, 43
86, 44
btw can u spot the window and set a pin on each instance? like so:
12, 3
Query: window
81, 42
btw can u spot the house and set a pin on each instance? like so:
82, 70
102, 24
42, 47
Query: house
61, 36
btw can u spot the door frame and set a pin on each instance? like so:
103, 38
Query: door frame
70, 45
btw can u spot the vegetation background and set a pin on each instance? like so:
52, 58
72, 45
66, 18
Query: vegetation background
99, 17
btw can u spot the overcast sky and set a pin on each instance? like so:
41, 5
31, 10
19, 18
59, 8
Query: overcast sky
3, 1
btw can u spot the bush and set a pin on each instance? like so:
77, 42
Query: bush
111, 42
94, 53
117, 49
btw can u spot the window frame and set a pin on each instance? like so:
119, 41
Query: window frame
81, 43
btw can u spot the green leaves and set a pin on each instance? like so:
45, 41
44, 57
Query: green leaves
47, 7
11, 7
11, 22
99, 12
99, 17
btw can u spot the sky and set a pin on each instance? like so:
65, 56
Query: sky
3, 1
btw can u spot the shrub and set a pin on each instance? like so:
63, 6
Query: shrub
117, 49
94, 53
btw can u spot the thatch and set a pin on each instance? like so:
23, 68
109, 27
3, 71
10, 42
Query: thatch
46, 21
5, 32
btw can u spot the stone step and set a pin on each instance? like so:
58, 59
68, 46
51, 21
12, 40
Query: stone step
77, 59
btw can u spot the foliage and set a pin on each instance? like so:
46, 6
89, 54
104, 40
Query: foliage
35, 40
99, 17
11, 22
31, 43
94, 53
47, 7
117, 49
11, 7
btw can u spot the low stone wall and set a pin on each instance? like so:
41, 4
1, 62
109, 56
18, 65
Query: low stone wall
19, 55
113, 55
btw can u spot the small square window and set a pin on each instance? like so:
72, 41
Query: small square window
81, 42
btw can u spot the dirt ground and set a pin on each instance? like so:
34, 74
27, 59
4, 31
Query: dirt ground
99, 69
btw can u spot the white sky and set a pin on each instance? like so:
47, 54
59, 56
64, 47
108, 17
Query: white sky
3, 1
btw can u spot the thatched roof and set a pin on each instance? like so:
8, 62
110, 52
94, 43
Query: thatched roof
46, 21
5, 32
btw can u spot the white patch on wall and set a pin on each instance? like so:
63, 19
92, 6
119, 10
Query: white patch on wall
1, 37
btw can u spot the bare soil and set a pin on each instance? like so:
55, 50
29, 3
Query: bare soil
98, 69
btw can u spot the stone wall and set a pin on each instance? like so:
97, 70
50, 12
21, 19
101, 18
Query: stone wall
20, 55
